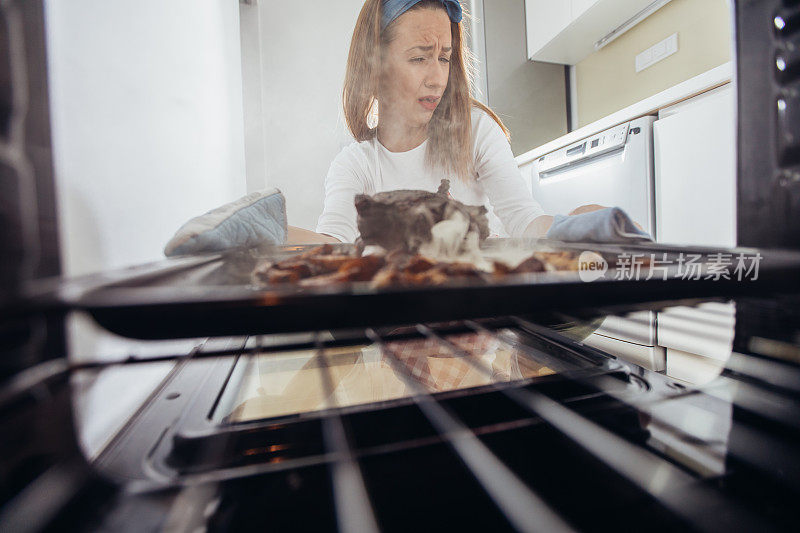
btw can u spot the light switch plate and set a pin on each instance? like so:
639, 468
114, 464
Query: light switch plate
657, 52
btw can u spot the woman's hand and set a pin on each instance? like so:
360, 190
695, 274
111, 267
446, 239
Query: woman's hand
304, 236
541, 224
588, 208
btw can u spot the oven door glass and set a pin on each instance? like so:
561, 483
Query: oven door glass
281, 384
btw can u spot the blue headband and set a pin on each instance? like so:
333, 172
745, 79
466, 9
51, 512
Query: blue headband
394, 8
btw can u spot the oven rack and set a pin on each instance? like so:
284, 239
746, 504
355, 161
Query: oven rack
211, 296
683, 497
755, 489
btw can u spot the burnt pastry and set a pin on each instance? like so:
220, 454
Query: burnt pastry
411, 220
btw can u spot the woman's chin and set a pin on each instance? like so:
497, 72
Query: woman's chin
417, 117
424, 116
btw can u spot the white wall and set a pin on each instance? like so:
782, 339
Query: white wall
146, 107
304, 54
527, 95
254, 120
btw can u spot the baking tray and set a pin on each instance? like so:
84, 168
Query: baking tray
212, 296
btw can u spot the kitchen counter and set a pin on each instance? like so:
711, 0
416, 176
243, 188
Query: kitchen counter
701, 83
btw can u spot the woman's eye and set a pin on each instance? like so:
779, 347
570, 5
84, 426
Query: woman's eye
444, 59
417, 60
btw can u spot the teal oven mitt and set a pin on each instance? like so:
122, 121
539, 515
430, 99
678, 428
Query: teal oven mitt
612, 225
252, 220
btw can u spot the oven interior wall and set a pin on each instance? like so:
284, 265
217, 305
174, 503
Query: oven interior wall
146, 101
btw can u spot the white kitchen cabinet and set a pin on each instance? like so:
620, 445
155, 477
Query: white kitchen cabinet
695, 171
544, 20
564, 31
579, 7
694, 147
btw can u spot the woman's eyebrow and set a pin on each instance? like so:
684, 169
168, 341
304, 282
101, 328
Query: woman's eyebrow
429, 48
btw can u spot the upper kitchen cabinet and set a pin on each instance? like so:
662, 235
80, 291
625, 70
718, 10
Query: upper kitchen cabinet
565, 31
577, 7
545, 20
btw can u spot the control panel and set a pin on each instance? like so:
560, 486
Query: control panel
611, 140
768, 87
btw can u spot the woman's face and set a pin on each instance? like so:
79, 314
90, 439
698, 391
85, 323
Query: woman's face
416, 66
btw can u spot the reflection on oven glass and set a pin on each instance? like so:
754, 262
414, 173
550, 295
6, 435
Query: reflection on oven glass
290, 383
278, 384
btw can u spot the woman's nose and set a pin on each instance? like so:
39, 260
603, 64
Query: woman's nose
436, 77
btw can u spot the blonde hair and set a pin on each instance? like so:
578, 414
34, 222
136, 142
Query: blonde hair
450, 128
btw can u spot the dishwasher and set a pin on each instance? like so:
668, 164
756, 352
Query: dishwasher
612, 168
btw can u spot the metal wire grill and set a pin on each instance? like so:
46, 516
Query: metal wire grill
598, 444
369, 454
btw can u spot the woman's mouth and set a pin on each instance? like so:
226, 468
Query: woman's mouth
429, 102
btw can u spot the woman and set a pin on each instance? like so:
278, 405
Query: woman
407, 68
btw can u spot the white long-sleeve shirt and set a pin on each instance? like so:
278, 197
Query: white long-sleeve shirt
368, 167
